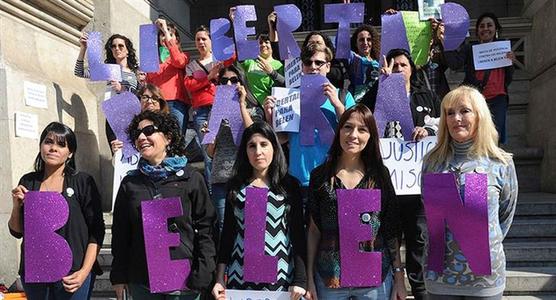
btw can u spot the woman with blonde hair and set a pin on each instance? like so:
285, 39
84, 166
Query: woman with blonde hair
467, 144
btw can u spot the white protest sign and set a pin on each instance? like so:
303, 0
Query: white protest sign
121, 167
404, 160
26, 125
292, 70
491, 55
429, 9
256, 295
287, 109
35, 94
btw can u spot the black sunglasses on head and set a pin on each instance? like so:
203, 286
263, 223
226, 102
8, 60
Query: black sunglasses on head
233, 80
147, 131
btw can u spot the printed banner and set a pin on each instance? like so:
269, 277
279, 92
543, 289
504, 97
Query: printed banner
287, 109
491, 55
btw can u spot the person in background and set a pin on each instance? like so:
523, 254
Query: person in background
162, 172
119, 50
433, 72
492, 83
363, 63
55, 171
170, 76
467, 144
260, 163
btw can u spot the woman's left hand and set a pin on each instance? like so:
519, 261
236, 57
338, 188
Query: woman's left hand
398, 290
264, 65
74, 281
419, 133
116, 86
296, 292
242, 95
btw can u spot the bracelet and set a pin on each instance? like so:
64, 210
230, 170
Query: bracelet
397, 269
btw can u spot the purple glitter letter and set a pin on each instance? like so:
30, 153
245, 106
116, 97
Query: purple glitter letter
148, 48
312, 97
165, 274
467, 219
257, 266
222, 46
226, 106
48, 256
456, 23
288, 20
351, 204
245, 48
392, 35
344, 15
98, 69
392, 104
119, 111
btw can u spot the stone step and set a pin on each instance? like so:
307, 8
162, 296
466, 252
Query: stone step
528, 167
536, 204
539, 297
528, 281
533, 228
530, 251
105, 259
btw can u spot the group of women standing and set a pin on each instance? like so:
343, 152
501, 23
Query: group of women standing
308, 244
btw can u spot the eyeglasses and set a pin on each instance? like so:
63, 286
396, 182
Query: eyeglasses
147, 131
316, 62
233, 80
114, 46
146, 98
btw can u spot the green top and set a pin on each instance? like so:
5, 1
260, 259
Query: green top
259, 82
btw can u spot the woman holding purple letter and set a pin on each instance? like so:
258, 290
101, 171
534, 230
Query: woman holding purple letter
467, 144
84, 230
354, 162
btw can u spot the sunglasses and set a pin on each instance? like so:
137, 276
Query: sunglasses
146, 98
147, 131
114, 46
318, 63
225, 80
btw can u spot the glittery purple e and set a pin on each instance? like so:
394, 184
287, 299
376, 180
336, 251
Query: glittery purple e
344, 15
165, 274
288, 20
222, 46
48, 256
467, 219
245, 48
357, 268
257, 266
148, 48
312, 97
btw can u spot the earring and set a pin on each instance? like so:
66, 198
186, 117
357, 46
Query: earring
496, 34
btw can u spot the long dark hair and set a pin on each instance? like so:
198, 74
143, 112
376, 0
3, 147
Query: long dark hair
370, 156
131, 57
375, 48
494, 18
63, 136
167, 124
243, 170
251, 100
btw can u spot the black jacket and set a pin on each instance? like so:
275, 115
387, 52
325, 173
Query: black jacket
195, 227
424, 102
85, 223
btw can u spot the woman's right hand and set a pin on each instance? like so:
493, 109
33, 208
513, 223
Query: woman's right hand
219, 291
268, 104
213, 73
311, 290
18, 196
115, 145
120, 290
387, 67
83, 40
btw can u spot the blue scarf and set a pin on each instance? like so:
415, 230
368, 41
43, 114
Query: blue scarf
169, 166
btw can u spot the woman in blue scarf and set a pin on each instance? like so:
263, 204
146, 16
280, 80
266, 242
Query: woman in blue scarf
162, 173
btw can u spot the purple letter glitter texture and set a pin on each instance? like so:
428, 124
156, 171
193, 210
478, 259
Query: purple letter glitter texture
48, 256
392, 35
245, 48
344, 15
225, 107
357, 268
148, 48
467, 219
165, 274
456, 24
392, 104
312, 97
222, 46
98, 69
119, 111
288, 20
257, 266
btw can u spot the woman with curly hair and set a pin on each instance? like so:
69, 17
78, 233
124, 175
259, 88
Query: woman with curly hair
162, 173
363, 61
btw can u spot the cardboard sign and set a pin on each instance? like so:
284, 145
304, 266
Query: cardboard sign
288, 20
292, 72
121, 167
344, 14
256, 295
491, 55
148, 48
120, 111
429, 9
287, 110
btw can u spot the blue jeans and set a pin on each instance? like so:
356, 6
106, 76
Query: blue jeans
180, 111
201, 116
219, 200
381, 292
141, 292
498, 108
56, 291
